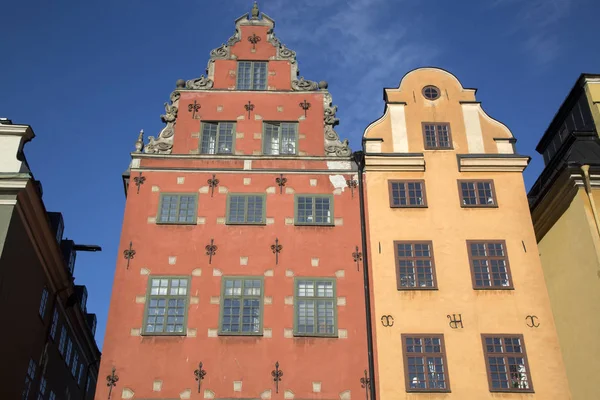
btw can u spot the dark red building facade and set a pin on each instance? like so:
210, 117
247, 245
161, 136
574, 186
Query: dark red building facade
239, 254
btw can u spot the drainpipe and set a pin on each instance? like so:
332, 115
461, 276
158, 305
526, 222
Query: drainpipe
359, 158
588, 190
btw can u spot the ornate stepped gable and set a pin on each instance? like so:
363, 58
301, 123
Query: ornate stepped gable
163, 144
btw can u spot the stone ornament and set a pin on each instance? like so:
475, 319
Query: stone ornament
304, 84
333, 145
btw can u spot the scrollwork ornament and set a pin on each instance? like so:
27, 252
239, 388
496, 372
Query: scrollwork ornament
304, 84
220, 52
201, 83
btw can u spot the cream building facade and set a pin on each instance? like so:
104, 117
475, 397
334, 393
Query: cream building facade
459, 299
565, 204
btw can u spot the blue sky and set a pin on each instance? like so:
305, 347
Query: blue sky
87, 76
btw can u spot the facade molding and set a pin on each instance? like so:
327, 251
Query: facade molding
395, 162
492, 163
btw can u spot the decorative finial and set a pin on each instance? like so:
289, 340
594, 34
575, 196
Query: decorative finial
255, 11
139, 144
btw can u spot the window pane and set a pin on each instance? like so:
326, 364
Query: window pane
414, 265
425, 363
166, 306
314, 210
489, 265
244, 75
271, 139
259, 75
241, 312
225, 142
209, 138
407, 193
178, 209
288, 138
506, 363
315, 307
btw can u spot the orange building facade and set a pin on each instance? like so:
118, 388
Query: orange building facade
239, 272
461, 310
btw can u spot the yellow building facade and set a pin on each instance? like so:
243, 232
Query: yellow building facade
459, 301
565, 201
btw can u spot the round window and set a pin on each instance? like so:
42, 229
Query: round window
431, 92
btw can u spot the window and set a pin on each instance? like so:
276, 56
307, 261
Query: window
69, 351
425, 366
437, 135
242, 306
177, 209
314, 210
80, 378
29, 377
246, 209
88, 383
414, 265
42, 391
217, 138
252, 75
166, 306
506, 363
489, 265
315, 307
407, 193
52, 396
43, 302
431, 92
280, 138
477, 193
54, 324
61, 343
75, 364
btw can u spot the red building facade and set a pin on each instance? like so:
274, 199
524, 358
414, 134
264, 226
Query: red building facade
240, 240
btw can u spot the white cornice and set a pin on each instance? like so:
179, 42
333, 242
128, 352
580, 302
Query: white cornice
394, 163
492, 164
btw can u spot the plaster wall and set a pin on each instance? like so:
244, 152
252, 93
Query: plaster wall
572, 270
449, 226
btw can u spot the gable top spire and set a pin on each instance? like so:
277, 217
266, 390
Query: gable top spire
255, 12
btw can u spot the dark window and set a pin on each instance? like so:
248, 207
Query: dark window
425, 366
242, 303
280, 138
42, 391
506, 363
489, 265
252, 75
431, 92
69, 351
29, 377
54, 324
52, 396
246, 209
62, 341
437, 135
75, 364
80, 378
477, 193
177, 209
314, 210
414, 265
166, 306
315, 307
407, 193
217, 138
43, 302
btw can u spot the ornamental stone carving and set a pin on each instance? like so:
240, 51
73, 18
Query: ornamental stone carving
163, 144
333, 145
221, 52
201, 83
304, 85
